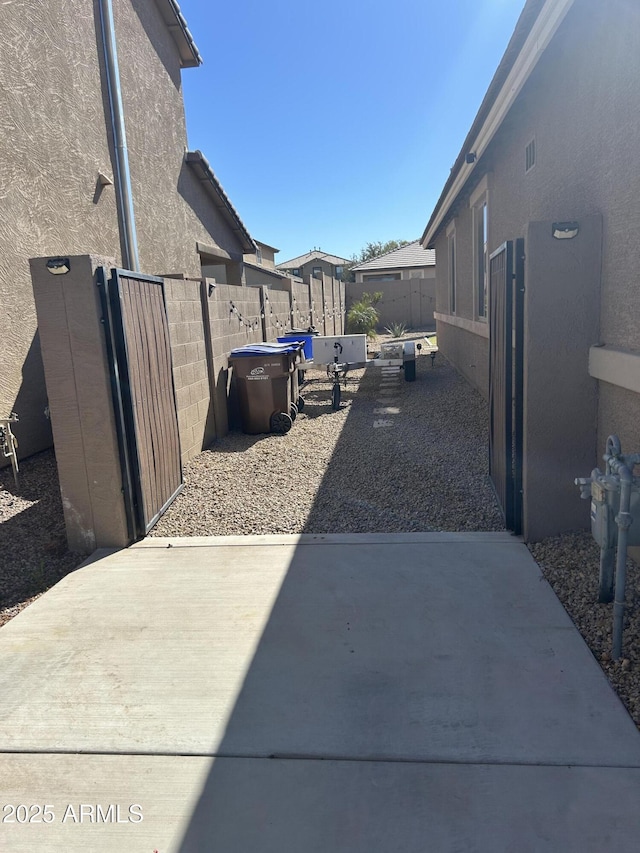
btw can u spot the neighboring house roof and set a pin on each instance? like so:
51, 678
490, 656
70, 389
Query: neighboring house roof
536, 26
266, 246
313, 256
174, 19
411, 255
212, 185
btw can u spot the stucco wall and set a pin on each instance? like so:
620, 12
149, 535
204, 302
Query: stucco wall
582, 107
54, 142
256, 277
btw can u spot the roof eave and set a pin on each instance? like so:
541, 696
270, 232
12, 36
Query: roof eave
534, 30
177, 26
212, 185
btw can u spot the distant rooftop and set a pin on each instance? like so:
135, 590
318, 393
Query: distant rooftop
316, 255
411, 255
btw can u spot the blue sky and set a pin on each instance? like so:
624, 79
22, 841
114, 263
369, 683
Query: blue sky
335, 124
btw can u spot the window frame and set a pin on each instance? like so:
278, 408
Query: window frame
480, 209
452, 268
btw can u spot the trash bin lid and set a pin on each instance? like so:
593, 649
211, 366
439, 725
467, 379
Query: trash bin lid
265, 349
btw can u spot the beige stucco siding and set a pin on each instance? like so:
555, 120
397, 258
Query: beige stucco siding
52, 145
55, 139
582, 107
172, 209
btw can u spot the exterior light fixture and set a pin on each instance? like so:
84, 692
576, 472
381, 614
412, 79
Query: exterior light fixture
565, 230
58, 266
471, 157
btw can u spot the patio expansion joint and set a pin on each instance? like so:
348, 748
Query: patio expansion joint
338, 758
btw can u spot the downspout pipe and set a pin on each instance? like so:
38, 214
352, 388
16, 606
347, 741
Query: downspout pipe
124, 193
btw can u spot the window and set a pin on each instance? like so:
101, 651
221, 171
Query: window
296, 271
338, 272
317, 272
530, 156
479, 203
451, 252
382, 276
258, 255
481, 258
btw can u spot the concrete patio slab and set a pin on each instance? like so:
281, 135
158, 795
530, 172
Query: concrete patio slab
312, 693
193, 805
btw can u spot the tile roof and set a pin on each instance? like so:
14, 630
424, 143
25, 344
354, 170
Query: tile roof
174, 19
411, 255
313, 256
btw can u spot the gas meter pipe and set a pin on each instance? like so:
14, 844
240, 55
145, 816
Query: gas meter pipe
617, 464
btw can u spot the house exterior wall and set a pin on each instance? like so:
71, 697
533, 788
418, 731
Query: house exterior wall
327, 268
364, 276
256, 277
56, 138
582, 108
268, 256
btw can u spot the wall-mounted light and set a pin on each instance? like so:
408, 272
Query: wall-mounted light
58, 266
565, 230
471, 157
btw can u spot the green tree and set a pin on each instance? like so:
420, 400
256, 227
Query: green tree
363, 318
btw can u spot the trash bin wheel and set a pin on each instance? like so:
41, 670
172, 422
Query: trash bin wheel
335, 398
281, 423
293, 411
300, 404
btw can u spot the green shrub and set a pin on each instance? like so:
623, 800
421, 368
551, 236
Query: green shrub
396, 330
363, 318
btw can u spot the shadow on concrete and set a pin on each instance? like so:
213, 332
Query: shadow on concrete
305, 699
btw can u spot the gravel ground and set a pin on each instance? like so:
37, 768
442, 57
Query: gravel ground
397, 457
571, 565
33, 548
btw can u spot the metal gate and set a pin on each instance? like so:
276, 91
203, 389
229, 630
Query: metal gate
506, 327
137, 335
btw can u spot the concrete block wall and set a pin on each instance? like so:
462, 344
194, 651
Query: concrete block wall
277, 313
190, 374
342, 315
233, 315
327, 305
317, 303
301, 305
410, 301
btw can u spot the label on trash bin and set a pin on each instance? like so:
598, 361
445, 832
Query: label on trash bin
257, 370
